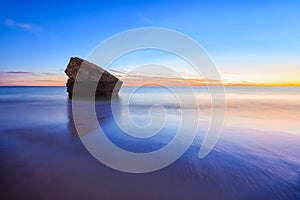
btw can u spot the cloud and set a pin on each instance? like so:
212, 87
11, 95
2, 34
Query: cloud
24, 26
130, 78
49, 74
47, 80
145, 74
18, 72
29, 73
145, 19
31, 78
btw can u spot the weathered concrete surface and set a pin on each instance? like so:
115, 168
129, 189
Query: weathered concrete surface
108, 84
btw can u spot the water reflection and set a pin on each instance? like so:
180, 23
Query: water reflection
103, 111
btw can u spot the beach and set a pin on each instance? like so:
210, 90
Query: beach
257, 156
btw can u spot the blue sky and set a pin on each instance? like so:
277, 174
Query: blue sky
246, 38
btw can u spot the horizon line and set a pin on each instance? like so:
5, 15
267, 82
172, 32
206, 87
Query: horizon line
158, 85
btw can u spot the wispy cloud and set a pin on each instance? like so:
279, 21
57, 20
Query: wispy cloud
28, 73
31, 78
18, 72
47, 80
49, 74
24, 26
130, 78
145, 19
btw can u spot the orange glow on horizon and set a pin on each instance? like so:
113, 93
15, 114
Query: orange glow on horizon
35, 83
199, 82
60, 80
190, 82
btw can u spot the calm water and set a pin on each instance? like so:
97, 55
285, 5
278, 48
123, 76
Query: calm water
257, 156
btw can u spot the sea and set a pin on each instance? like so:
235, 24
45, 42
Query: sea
256, 154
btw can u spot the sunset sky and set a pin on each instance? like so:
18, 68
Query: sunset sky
251, 42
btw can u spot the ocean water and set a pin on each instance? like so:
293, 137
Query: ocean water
256, 157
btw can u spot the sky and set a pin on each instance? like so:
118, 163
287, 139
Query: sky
250, 42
